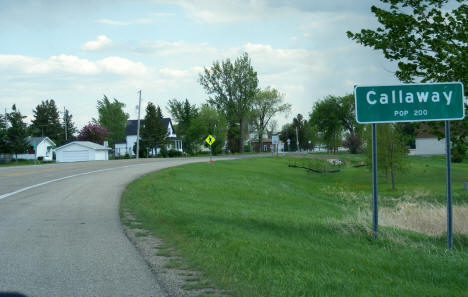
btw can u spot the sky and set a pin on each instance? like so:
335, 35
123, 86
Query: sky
75, 52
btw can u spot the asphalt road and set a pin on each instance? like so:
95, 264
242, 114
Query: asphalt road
60, 231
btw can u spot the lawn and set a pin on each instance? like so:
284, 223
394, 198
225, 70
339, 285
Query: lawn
256, 227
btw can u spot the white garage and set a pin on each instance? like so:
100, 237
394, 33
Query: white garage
79, 151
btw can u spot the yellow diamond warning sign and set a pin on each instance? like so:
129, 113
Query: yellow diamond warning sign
210, 139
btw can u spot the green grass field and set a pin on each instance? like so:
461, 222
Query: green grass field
256, 227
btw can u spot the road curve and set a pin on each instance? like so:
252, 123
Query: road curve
62, 236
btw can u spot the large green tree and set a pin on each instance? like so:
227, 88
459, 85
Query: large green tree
208, 122
429, 40
16, 132
46, 121
113, 118
266, 104
232, 88
327, 118
184, 114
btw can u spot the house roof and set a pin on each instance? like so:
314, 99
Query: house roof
132, 126
37, 140
263, 140
87, 144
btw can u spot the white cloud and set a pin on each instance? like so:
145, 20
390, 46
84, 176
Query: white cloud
112, 22
70, 64
171, 48
174, 73
101, 42
122, 66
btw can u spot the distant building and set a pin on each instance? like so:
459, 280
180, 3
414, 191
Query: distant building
78, 151
427, 144
126, 146
40, 147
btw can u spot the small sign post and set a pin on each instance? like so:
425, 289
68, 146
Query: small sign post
210, 140
275, 142
410, 103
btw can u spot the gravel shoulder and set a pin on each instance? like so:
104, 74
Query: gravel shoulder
171, 272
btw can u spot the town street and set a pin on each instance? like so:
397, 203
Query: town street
60, 232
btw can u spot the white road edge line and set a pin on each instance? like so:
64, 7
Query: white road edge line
63, 178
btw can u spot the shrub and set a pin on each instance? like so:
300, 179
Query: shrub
458, 153
40, 158
163, 151
126, 156
174, 153
353, 143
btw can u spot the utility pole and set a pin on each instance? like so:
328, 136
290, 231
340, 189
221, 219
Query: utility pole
65, 122
297, 140
138, 128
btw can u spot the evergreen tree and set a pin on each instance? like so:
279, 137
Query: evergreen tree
4, 147
160, 130
68, 127
46, 121
184, 113
16, 133
154, 132
148, 131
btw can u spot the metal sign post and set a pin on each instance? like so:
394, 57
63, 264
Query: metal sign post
210, 140
449, 186
375, 211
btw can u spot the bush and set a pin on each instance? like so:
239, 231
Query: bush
126, 156
163, 151
174, 153
40, 158
458, 153
353, 143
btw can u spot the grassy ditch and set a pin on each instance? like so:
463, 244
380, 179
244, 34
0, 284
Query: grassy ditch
256, 227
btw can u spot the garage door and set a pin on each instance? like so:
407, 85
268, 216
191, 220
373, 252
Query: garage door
75, 156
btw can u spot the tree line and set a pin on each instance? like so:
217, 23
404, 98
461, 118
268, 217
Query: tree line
47, 122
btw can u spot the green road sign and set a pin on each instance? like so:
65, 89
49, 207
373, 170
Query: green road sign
210, 140
409, 103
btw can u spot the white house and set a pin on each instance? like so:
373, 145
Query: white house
126, 146
41, 147
77, 151
427, 144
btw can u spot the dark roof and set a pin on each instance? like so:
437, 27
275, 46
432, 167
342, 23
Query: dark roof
424, 131
37, 140
132, 126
